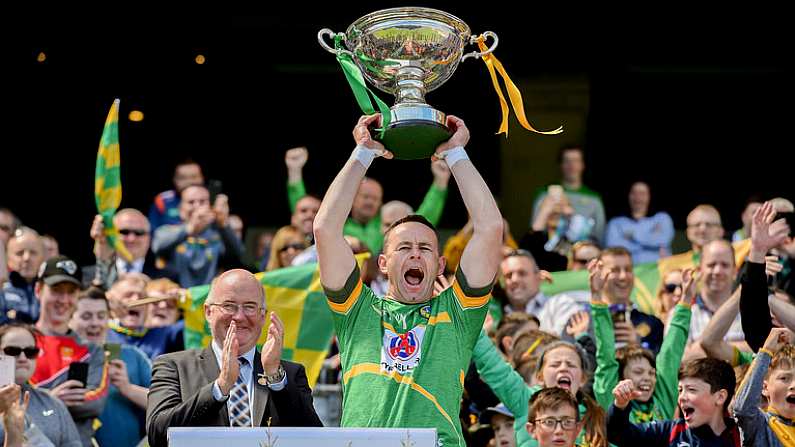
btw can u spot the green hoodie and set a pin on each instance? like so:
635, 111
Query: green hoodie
663, 402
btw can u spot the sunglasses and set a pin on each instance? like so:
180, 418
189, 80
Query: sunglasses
295, 246
14, 351
127, 232
671, 288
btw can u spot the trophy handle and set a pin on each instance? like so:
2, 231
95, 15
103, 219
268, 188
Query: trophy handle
321, 39
479, 54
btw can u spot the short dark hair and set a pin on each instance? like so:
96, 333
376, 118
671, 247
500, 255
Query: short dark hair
570, 147
522, 253
717, 373
628, 353
94, 293
411, 218
615, 251
550, 399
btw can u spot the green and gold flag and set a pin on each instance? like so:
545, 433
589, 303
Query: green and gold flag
107, 180
297, 297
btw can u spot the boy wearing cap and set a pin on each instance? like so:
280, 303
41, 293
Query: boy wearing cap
501, 420
57, 288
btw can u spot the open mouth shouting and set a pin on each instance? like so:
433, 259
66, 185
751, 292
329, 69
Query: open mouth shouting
413, 278
790, 399
647, 389
94, 333
688, 413
564, 381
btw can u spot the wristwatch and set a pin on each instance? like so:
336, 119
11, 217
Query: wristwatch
265, 379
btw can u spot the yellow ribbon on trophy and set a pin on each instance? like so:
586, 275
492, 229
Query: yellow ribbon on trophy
493, 63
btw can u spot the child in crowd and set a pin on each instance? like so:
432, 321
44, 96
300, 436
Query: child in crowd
501, 421
654, 378
772, 374
705, 389
553, 418
562, 365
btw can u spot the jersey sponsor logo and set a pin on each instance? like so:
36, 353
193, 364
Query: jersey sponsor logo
403, 346
402, 352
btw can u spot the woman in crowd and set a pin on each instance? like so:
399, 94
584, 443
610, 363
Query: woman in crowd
45, 416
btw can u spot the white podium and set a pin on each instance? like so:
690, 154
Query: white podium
301, 437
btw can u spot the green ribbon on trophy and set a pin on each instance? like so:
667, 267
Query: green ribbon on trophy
360, 90
390, 51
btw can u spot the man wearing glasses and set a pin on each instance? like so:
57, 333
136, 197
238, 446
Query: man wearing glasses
135, 233
230, 383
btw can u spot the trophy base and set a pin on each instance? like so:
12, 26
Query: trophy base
415, 132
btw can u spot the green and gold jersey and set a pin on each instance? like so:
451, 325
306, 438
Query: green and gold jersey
404, 364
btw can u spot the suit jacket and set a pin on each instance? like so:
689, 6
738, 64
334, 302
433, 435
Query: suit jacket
181, 395
111, 274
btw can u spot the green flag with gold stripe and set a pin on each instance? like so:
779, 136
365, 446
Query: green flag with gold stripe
297, 297
107, 179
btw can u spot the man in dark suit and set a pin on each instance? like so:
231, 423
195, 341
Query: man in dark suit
230, 383
136, 235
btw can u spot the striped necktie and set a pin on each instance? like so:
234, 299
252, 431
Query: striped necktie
239, 408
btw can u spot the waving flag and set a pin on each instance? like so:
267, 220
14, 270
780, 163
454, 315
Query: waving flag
107, 180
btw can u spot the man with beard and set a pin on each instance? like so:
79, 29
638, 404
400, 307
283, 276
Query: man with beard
405, 356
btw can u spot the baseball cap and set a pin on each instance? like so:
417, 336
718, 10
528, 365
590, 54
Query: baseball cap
489, 412
60, 269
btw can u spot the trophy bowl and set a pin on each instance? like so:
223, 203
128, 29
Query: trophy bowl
408, 52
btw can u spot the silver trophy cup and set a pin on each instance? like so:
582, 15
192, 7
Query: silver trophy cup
408, 52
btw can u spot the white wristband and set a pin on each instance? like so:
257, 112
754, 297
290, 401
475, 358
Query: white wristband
364, 155
453, 156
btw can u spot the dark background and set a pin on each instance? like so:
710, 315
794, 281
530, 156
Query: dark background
696, 102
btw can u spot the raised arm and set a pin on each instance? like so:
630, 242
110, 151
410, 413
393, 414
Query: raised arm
295, 159
754, 309
334, 255
482, 254
606, 374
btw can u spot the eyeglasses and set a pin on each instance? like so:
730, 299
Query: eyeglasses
128, 231
581, 261
249, 309
671, 288
294, 246
14, 351
549, 424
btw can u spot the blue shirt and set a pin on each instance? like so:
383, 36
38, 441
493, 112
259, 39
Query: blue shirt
152, 341
165, 210
123, 422
645, 238
18, 303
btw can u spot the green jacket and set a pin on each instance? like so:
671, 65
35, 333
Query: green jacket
663, 401
509, 387
370, 233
